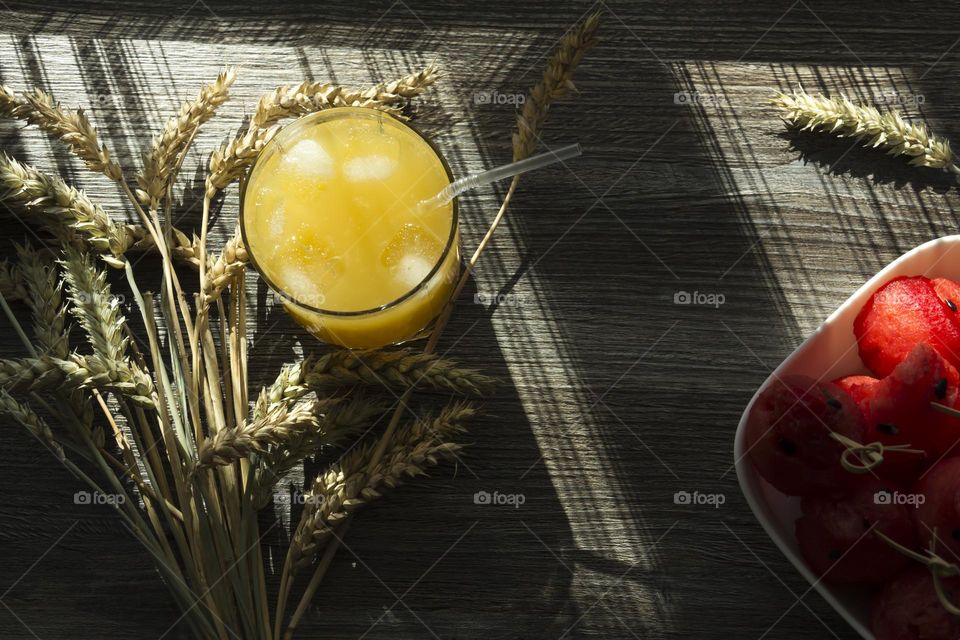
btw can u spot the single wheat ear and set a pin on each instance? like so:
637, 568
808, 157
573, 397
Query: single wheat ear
158, 163
871, 127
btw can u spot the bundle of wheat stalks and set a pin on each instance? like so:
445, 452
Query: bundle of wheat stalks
170, 426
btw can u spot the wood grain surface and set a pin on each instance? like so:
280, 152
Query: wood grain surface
614, 397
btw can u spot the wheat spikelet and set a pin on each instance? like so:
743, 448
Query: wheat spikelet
285, 390
231, 160
45, 300
11, 284
8, 102
166, 147
400, 368
873, 128
61, 209
31, 421
347, 486
94, 305
557, 82
248, 438
338, 424
227, 266
72, 127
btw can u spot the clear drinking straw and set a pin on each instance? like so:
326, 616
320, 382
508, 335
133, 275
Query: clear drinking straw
457, 187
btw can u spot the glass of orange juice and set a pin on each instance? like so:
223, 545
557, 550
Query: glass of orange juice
331, 218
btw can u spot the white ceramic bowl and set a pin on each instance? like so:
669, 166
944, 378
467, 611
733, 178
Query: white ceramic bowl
831, 352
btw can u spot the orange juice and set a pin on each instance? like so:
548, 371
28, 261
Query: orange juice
330, 218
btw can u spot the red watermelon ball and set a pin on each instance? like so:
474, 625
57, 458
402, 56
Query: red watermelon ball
836, 535
940, 511
908, 609
788, 435
901, 314
899, 411
860, 388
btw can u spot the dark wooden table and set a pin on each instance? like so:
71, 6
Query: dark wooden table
615, 397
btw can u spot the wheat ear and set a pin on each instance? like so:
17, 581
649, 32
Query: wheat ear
31, 422
45, 299
400, 368
94, 305
72, 127
232, 444
557, 82
346, 486
154, 178
873, 128
61, 209
11, 283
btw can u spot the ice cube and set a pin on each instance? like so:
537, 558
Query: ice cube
411, 254
299, 283
308, 158
367, 168
411, 269
277, 221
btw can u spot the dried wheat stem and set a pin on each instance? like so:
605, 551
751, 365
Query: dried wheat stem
873, 128
166, 147
72, 127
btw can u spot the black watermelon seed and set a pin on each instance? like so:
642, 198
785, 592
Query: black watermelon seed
834, 554
941, 388
956, 534
951, 304
866, 524
887, 428
835, 404
789, 447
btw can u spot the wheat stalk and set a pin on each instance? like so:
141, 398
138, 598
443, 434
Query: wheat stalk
45, 299
557, 82
154, 178
346, 486
72, 127
873, 128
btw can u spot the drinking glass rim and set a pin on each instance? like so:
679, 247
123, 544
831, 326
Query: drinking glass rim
331, 114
